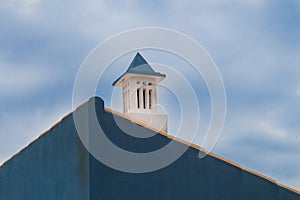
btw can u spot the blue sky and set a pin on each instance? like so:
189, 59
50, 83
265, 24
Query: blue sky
255, 44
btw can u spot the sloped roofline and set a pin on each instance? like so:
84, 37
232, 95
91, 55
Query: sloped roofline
166, 135
203, 150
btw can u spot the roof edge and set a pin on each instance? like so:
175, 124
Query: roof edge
116, 82
204, 151
45, 132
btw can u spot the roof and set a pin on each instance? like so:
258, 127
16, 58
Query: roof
140, 66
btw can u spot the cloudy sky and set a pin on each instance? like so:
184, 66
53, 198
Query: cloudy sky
255, 44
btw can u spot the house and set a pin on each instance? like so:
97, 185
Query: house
57, 165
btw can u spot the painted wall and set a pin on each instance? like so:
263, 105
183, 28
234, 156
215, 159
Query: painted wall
187, 178
57, 166
53, 167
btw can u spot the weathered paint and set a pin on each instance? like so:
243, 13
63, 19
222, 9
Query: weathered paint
57, 166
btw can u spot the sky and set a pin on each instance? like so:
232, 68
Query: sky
254, 43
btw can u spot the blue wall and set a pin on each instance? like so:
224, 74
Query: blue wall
53, 167
57, 166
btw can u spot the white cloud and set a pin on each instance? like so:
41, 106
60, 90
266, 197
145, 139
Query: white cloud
23, 2
269, 129
18, 79
24, 7
254, 3
298, 91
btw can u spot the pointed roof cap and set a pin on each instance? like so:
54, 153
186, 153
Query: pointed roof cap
140, 66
